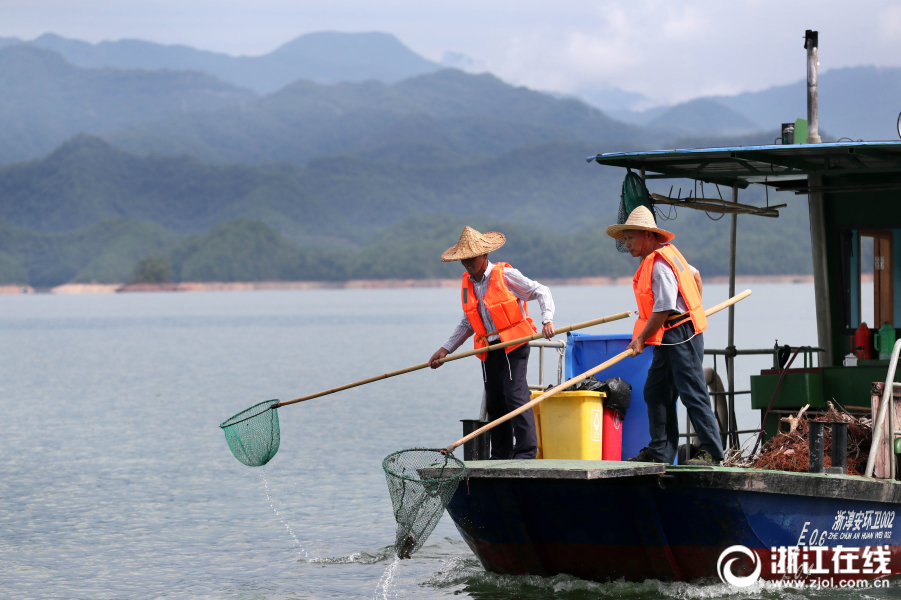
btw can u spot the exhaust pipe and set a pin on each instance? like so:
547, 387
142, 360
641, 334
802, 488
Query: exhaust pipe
811, 41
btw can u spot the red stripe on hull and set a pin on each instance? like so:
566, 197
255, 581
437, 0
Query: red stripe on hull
637, 563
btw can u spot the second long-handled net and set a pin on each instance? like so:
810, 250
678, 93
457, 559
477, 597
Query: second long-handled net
421, 482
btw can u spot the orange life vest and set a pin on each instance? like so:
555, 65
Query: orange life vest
510, 320
644, 293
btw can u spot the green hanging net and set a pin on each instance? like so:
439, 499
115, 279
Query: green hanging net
253, 434
634, 194
421, 482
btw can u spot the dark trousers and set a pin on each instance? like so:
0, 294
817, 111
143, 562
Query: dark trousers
506, 389
678, 372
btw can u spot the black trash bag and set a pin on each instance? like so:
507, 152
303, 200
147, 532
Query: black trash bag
619, 392
619, 395
586, 385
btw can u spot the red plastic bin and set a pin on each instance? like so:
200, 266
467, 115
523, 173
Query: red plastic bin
612, 437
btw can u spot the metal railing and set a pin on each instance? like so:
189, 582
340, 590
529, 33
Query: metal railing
560, 346
731, 432
561, 351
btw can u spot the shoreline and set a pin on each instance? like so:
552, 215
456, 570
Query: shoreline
353, 284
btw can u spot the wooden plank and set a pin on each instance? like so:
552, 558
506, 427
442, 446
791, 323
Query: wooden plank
886, 453
715, 205
811, 485
557, 469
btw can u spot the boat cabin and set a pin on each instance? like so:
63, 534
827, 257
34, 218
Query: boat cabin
852, 190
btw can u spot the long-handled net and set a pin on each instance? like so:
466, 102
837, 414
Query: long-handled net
253, 434
421, 482
634, 194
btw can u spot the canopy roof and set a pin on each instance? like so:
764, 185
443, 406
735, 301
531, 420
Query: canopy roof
783, 167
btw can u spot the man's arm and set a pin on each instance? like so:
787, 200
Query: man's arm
526, 289
460, 335
698, 282
654, 323
665, 288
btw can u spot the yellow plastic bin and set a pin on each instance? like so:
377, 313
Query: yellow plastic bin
570, 425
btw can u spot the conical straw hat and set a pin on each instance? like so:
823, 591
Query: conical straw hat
642, 219
472, 244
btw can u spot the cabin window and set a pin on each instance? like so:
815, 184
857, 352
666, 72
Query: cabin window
871, 264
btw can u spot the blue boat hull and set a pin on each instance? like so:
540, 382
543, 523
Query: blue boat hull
671, 526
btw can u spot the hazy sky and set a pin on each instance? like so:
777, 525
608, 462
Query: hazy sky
671, 51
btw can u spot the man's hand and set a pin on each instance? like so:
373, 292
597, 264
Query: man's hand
637, 346
548, 330
654, 324
441, 353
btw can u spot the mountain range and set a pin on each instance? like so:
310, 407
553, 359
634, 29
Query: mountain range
854, 103
373, 96
322, 57
89, 211
118, 151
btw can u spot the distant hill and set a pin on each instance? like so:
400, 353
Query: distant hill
87, 180
447, 116
46, 100
444, 116
702, 117
610, 98
92, 253
88, 212
249, 250
323, 57
855, 102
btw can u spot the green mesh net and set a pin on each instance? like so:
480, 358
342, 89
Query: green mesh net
253, 434
634, 194
421, 482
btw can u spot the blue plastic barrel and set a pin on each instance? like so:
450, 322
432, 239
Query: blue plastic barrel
584, 351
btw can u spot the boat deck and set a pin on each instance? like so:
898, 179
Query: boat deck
560, 469
734, 478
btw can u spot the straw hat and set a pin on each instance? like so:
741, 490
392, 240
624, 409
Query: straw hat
472, 244
643, 220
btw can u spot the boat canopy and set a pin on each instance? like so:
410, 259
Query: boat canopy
783, 167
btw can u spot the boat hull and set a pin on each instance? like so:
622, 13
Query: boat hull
670, 526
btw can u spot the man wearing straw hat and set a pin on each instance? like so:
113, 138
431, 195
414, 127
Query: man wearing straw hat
670, 318
494, 299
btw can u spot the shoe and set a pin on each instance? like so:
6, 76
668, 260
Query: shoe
644, 456
703, 459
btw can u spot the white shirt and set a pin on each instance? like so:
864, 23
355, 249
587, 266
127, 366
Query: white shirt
520, 286
665, 287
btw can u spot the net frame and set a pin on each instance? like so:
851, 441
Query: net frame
418, 502
634, 194
253, 435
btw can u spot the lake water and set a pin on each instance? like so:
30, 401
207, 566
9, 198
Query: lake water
116, 482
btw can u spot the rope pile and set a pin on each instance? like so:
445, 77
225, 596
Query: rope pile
788, 451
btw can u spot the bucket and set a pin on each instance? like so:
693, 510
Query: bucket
584, 351
612, 436
570, 425
479, 447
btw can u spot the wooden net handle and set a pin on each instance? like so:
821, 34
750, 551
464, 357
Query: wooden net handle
554, 391
523, 340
